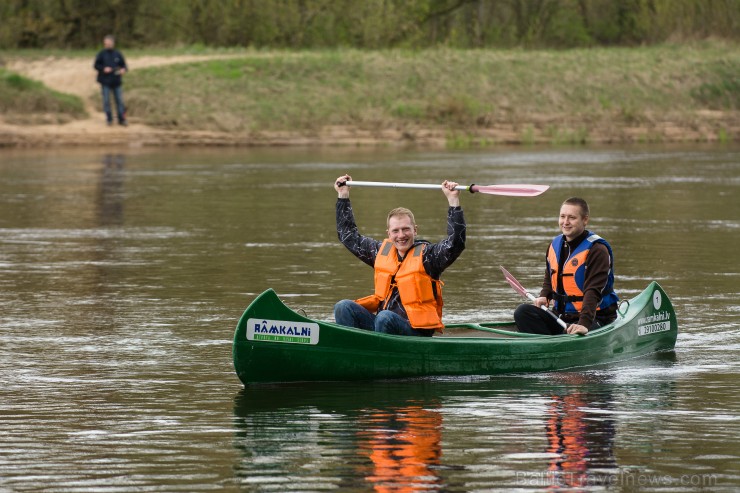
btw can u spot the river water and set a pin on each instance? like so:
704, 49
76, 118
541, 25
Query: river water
123, 274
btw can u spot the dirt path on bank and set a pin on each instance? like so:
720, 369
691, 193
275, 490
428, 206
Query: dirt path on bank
77, 76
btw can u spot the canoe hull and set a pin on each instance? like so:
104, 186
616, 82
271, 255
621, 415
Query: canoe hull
272, 343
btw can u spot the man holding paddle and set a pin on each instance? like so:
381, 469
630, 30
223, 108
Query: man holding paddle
408, 293
579, 278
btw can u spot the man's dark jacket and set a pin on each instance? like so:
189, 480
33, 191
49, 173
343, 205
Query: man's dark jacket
113, 59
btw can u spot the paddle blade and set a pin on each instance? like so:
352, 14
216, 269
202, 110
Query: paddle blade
520, 289
510, 190
515, 284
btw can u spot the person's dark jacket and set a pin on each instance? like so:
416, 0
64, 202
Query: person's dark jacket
110, 58
599, 265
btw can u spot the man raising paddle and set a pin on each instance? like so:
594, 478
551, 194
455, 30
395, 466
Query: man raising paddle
408, 293
579, 277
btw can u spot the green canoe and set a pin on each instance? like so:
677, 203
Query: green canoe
272, 343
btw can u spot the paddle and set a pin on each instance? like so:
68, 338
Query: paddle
520, 289
510, 190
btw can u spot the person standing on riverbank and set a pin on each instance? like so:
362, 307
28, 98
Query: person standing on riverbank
407, 299
111, 65
579, 278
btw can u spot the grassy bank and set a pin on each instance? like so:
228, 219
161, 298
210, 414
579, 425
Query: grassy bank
23, 100
458, 98
552, 96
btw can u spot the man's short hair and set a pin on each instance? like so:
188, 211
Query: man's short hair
400, 211
110, 36
585, 212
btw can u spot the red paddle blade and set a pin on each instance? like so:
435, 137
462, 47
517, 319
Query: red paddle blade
514, 283
510, 190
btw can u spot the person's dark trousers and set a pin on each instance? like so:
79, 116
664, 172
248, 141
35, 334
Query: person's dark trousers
533, 320
118, 96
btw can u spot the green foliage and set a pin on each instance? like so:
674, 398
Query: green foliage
224, 70
560, 136
458, 109
407, 111
369, 24
19, 83
27, 98
528, 135
722, 87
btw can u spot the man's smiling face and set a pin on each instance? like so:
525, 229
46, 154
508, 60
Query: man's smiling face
401, 231
572, 222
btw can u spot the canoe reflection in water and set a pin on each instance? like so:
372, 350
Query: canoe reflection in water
387, 436
379, 436
403, 444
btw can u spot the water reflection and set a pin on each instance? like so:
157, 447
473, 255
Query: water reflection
416, 436
385, 435
576, 442
403, 445
110, 197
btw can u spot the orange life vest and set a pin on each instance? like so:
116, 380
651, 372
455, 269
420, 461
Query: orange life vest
573, 275
421, 296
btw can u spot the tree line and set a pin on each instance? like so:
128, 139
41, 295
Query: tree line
374, 24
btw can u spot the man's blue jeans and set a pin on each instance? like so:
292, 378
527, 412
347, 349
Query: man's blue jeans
351, 314
120, 108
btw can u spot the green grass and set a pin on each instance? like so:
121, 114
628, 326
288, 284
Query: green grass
558, 94
721, 89
24, 100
